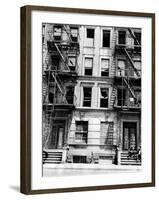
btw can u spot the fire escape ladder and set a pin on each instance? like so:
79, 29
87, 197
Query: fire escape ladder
129, 87
63, 58
131, 62
59, 85
133, 36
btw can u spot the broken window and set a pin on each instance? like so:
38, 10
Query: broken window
121, 97
104, 67
107, 132
89, 37
81, 131
104, 97
70, 94
72, 63
74, 34
122, 37
87, 94
57, 31
138, 37
106, 38
88, 66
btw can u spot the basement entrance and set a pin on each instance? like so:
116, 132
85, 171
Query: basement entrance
58, 130
129, 135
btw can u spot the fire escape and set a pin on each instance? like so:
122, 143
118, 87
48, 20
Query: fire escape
61, 73
129, 77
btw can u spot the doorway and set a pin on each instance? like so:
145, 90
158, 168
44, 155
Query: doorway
129, 135
58, 130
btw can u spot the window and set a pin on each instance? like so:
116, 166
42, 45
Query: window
121, 97
43, 33
74, 34
79, 159
121, 68
137, 64
90, 33
55, 62
87, 94
70, 94
88, 66
104, 97
89, 37
72, 63
105, 67
122, 37
57, 32
106, 38
138, 37
107, 132
81, 131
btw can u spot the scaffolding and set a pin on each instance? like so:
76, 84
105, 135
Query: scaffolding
126, 80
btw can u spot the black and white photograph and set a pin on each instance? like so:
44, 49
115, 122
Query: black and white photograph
91, 99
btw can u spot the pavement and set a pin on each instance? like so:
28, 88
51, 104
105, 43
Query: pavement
71, 169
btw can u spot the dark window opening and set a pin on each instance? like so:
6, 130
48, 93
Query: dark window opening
106, 38
87, 93
138, 37
121, 96
70, 94
79, 159
122, 37
90, 33
104, 97
88, 71
57, 32
55, 62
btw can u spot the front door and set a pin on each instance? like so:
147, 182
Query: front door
58, 130
129, 135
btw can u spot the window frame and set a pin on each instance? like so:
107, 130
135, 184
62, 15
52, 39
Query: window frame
88, 57
84, 97
99, 96
82, 133
105, 58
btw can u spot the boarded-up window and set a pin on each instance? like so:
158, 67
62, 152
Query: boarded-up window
81, 131
107, 132
104, 67
88, 66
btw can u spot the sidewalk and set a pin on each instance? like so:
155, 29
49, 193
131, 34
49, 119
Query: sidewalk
91, 166
73, 169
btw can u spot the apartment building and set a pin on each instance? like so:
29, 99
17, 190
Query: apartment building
91, 94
